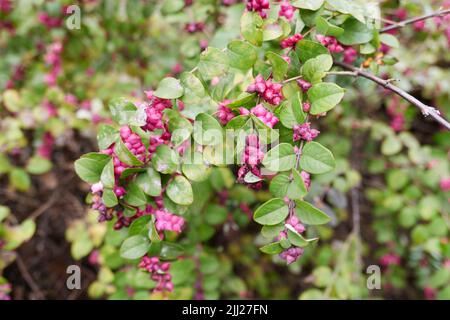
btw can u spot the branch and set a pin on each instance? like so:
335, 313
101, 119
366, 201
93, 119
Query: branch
426, 110
403, 23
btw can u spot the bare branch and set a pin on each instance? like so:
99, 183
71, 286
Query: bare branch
426, 110
403, 23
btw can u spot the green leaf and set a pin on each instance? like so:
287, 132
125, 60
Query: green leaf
150, 182
279, 65
16, 235
271, 212
172, 6
295, 238
170, 251
290, 185
307, 49
140, 225
316, 159
271, 30
11, 100
272, 248
391, 145
291, 112
308, 214
125, 112
389, 40
207, 130
280, 158
106, 136
245, 99
134, 247
4, 212
165, 160
308, 4
107, 176
195, 169
179, 127
271, 232
180, 191
213, 63
241, 55
215, 214
109, 198
125, 155
90, 166
315, 69
38, 165
135, 196
324, 97
251, 27
354, 8
169, 88
326, 28
355, 32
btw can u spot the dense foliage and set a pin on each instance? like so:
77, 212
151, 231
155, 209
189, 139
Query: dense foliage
239, 154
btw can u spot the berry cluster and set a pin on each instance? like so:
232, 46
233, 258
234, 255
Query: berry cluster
133, 142
5, 289
292, 254
445, 184
154, 121
390, 259
44, 150
350, 55
252, 158
193, 27
330, 42
262, 114
291, 41
154, 111
168, 221
305, 132
269, 91
159, 273
286, 10
5, 6
49, 21
259, 6
252, 155
17, 75
53, 59
304, 85
396, 112
224, 113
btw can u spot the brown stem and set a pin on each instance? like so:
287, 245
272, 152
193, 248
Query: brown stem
403, 23
426, 110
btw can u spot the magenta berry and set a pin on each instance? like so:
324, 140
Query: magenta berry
159, 273
330, 42
168, 221
306, 106
259, 6
291, 41
264, 115
304, 132
350, 55
286, 10
390, 259
224, 113
269, 91
444, 184
291, 255
304, 85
